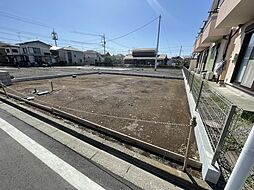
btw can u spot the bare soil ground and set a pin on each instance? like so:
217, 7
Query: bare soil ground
153, 110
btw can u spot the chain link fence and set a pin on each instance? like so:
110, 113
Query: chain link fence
227, 125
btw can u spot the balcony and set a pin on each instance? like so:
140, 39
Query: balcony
234, 12
199, 46
212, 34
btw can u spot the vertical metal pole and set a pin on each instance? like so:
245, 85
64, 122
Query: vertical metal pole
223, 134
193, 123
157, 46
104, 44
199, 94
192, 82
180, 52
243, 165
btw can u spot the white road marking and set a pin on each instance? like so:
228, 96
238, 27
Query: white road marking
65, 170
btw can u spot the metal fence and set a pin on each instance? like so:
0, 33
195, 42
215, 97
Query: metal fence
227, 125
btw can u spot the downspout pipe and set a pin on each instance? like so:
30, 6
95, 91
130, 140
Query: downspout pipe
243, 166
230, 36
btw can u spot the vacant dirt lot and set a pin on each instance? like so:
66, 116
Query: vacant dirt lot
153, 110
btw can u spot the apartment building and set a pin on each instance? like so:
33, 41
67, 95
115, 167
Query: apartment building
224, 47
38, 52
12, 55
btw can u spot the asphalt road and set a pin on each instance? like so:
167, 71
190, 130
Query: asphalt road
20, 168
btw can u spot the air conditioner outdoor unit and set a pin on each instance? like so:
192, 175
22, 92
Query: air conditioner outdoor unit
209, 75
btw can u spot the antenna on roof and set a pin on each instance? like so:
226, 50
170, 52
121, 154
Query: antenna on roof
54, 37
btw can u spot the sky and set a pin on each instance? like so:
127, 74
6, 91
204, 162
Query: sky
81, 23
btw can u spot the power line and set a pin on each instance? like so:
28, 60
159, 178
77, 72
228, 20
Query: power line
22, 19
135, 30
34, 35
86, 34
120, 44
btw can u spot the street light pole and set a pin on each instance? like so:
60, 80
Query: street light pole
157, 47
104, 44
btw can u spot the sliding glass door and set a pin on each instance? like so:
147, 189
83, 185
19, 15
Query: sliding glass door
245, 75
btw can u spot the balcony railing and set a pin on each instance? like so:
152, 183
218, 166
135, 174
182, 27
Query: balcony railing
212, 34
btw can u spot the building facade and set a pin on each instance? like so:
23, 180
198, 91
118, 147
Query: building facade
92, 57
67, 56
224, 48
38, 52
144, 57
11, 55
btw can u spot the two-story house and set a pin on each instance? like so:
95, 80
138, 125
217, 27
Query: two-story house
37, 52
226, 40
67, 55
12, 55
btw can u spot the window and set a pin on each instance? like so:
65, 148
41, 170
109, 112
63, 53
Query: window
74, 55
7, 51
245, 74
37, 51
24, 50
14, 50
46, 53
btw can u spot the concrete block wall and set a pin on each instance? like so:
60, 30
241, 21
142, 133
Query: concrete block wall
5, 78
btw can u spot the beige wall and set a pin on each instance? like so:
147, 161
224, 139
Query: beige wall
233, 52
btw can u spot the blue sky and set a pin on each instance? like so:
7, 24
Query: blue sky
181, 20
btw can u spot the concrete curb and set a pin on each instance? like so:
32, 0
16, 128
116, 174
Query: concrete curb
143, 75
167, 173
23, 79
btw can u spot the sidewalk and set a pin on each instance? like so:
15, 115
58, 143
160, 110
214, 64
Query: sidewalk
236, 96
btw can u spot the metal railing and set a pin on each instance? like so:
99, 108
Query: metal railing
226, 124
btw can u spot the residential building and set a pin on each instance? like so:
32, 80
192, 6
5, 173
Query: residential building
38, 52
118, 59
144, 57
226, 41
12, 55
92, 57
67, 56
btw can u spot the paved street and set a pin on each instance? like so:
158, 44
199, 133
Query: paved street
31, 160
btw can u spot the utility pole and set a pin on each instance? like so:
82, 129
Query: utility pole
157, 47
180, 52
104, 43
54, 37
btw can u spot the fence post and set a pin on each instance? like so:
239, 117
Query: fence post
223, 134
193, 123
192, 81
199, 94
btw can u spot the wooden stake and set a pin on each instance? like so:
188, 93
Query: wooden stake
52, 88
193, 123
